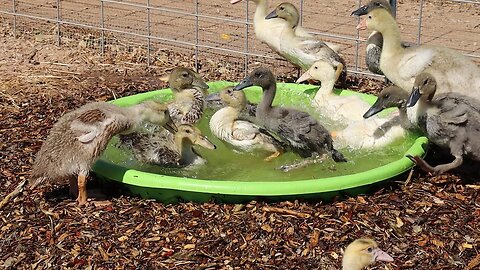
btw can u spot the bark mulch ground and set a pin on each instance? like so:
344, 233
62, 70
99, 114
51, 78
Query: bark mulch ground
424, 222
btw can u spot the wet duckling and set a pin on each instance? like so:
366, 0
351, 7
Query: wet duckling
243, 135
333, 106
189, 91
304, 51
268, 31
391, 97
453, 71
451, 121
215, 103
79, 137
168, 149
296, 128
361, 253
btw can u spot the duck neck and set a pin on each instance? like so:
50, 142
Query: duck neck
351, 264
137, 114
185, 150
326, 89
267, 100
392, 42
260, 11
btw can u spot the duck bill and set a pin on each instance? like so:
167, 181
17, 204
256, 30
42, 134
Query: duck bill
363, 10
414, 97
213, 97
362, 25
243, 84
234, 1
306, 76
200, 83
272, 15
376, 108
205, 143
381, 255
170, 126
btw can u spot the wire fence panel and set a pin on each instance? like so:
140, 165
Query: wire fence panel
216, 30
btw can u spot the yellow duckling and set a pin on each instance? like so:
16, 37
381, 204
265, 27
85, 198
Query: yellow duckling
361, 253
79, 137
243, 135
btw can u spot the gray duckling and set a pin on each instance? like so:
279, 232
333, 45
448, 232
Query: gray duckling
303, 133
451, 121
168, 149
79, 137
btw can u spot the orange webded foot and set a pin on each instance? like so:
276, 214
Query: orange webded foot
82, 189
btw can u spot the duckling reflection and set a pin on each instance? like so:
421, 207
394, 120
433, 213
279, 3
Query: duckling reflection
168, 149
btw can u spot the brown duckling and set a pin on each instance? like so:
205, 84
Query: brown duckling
189, 91
450, 120
168, 149
296, 128
242, 134
79, 137
361, 253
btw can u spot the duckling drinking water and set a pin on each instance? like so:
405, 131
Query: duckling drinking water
243, 135
79, 137
450, 121
168, 149
296, 128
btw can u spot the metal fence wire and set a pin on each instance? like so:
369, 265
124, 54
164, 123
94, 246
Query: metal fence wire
215, 28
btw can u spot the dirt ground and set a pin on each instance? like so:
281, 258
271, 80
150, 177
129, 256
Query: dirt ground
423, 222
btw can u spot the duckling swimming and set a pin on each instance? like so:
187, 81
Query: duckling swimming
79, 137
189, 96
296, 128
243, 135
168, 149
304, 51
450, 121
361, 253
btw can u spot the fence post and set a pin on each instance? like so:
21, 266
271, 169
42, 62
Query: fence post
102, 25
14, 18
149, 33
357, 42
196, 35
301, 13
420, 19
58, 22
246, 49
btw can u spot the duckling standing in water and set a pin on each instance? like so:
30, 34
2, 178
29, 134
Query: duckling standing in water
450, 121
168, 149
304, 51
189, 91
79, 137
361, 253
296, 128
243, 135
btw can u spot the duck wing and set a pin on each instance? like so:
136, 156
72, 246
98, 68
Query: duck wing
415, 61
317, 49
92, 123
243, 130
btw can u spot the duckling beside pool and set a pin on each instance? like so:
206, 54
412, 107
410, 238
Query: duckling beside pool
298, 129
168, 149
243, 135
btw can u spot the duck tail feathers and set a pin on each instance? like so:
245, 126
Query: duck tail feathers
338, 157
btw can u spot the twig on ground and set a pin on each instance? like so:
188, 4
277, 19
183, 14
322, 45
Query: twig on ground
284, 211
17, 191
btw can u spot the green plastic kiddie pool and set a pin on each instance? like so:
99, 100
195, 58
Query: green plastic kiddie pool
235, 177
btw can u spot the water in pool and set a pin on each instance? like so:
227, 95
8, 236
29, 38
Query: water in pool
225, 164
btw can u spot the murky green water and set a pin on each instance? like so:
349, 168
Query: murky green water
225, 164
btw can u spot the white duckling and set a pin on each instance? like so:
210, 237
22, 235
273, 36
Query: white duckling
361, 253
243, 135
303, 51
268, 31
79, 137
453, 71
329, 104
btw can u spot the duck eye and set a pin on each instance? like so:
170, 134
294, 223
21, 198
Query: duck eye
387, 96
188, 131
184, 75
369, 16
370, 249
229, 91
316, 67
377, 4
